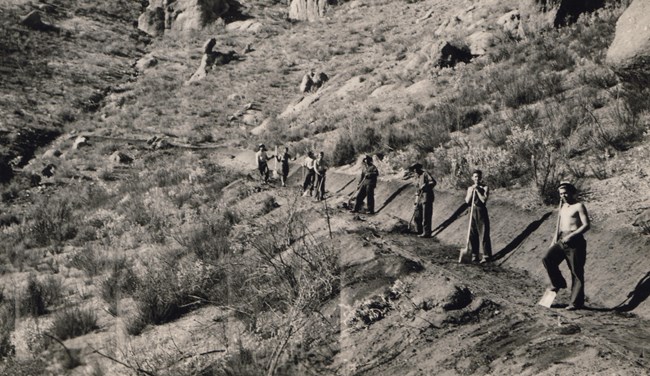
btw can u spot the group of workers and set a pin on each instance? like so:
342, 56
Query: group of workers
568, 240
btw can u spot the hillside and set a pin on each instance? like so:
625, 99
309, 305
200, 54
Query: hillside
136, 237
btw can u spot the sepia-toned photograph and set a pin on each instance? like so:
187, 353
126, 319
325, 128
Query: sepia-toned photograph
324, 187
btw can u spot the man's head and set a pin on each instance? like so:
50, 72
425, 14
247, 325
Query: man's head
321, 155
286, 149
417, 168
310, 154
567, 191
261, 147
477, 176
367, 160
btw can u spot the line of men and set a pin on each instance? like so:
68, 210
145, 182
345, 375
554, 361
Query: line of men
568, 240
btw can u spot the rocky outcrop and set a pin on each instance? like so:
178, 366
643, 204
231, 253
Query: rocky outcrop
33, 20
511, 24
444, 54
210, 59
182, 15
248, 26
629, 53
313, 81
566, 12
146, 62
307, 10
480, 42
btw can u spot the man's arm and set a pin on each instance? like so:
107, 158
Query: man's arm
484, 195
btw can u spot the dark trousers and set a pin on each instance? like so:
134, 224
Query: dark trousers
320, 186
309, 181
424, 214
575, 254
479, 233
264, 171
366, 191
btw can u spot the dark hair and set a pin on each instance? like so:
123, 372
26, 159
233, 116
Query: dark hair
478, 172
568, 186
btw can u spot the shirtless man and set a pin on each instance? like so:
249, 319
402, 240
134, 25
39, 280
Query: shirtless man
569, 245
479, 233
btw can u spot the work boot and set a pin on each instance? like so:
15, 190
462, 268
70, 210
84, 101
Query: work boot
424, 235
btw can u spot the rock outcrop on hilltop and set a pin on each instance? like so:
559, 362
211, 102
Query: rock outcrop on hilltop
565, 12
629, 53
307, 10
182, 15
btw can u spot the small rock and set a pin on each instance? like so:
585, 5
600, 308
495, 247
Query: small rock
121, 158
81, 141
33, 20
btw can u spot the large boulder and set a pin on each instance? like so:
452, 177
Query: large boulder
33, 20
565, 12
211, 59
183, 15
629, 53
307, 10
511, 24
445, 54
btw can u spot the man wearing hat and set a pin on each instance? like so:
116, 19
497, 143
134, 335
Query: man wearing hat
262, 163
570, 245
367, 186
424, 197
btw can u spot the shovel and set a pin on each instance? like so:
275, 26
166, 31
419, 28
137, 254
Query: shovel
275, 165
464, 252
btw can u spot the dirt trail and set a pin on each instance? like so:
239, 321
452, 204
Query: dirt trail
501, 330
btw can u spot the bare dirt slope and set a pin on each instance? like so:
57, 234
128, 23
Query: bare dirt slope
407, 307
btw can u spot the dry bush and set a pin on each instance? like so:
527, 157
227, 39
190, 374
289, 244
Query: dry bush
121, 281
51, 222
40, 296
89, 260
73, 322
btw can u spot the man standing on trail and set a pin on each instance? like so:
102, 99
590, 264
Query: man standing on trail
424, 197
479, 234
284, 161
320, 167
309, 177
367, 186
569, 245
262, 163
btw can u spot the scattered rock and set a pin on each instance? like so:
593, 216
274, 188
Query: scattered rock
158, 143
146, 62
566, 12
211, 59
312, 81
567, 329
52, 153
33, 20
79, 142
184, 15
120, 158
629, 53
49, 170
152, 21
643, 220
480, 42
444, 54
511, 24
250, 26
459, 298
307, 10
47, 8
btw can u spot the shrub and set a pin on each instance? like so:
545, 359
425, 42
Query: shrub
52, 222
344, 152
7, 349
89, 261
73, 322
121, 280
39, 296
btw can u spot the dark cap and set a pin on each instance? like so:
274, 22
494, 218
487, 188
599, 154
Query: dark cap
368, 158
261, 146
568, 186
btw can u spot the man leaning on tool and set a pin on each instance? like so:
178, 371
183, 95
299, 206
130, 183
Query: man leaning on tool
367, 184
424, 197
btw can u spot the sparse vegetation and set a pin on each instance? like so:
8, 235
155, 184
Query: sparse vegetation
73, 322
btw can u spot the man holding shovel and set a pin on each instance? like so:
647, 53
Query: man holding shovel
479, 228
569, 245
423, 200
320, 167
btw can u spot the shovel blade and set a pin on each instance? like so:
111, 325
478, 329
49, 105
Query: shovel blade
465, 256
547, 299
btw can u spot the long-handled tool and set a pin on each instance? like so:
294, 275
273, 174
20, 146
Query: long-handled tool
275, 165
549, 295
464, 252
